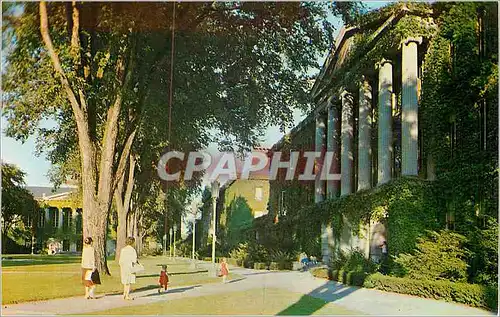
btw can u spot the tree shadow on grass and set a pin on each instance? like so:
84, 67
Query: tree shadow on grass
318, 298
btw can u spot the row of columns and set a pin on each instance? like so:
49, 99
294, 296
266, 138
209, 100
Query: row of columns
60, 215
338, 137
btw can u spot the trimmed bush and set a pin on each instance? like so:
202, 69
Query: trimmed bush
469, 294
355, 278
273, 266
321, 272
232, 261
259, 266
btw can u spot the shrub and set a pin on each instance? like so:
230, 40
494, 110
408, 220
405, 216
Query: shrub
259, 266
470, 294
352, 261
232, 261
355, 278
321, 272
438, 256
240, 254
274, 266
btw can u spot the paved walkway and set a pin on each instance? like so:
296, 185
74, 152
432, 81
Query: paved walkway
367, 301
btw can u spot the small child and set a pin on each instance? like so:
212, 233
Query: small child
224, 270
163, 281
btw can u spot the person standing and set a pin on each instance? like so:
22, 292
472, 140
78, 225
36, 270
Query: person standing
224, 270
88, 266
128, 258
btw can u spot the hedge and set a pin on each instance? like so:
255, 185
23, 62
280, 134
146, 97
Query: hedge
259, 266
355, 278
470, 294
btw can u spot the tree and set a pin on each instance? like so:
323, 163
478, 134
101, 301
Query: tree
96, 68
18, 203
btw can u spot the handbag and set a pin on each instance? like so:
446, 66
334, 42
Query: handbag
95, 278
137, 267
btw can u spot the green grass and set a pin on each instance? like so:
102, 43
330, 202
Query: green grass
24, 283
28, 259
269, 301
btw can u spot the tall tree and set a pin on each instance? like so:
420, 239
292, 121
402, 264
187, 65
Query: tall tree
95, 68
18, 203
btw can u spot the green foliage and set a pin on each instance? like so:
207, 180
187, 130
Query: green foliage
354, 261
17, 202
355, 278
408, 203
470, 294
283, 258
483, 243
259, 266
438, 256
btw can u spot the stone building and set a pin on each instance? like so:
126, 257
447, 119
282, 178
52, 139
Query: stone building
366, 113
59, 219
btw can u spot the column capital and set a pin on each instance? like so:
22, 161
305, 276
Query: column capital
345, 93
411, 39
382, 62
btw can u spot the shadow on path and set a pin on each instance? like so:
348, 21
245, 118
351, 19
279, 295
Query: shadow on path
237, 280
174, 273
173, 291
317, 298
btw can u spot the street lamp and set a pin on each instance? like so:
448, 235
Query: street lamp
194, 231
175, 231
170, 248
215, 195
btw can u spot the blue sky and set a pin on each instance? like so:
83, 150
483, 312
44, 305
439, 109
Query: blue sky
36, 168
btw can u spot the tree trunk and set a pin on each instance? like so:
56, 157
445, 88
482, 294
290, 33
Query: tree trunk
121, 232
97, 190
123, 206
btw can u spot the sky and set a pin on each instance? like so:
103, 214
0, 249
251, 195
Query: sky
37, 167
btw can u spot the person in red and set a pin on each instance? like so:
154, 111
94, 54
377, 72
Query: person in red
163, 281
224, 271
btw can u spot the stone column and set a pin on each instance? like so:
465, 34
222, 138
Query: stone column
347, 137
319, 185
364, 136
72, 244
332, 186
409, 114
333, 146
319, 147
346, 163
384, 122
60, 215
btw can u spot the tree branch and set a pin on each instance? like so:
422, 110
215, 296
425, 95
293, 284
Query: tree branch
124, 155
106, 180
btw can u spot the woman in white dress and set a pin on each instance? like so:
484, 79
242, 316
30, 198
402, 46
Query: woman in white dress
128, 257
88, 266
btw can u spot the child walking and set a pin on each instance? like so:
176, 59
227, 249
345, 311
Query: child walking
224, 271
163, 281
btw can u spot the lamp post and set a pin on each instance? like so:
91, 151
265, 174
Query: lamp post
194, 237
170, 238
175, 231
215, 195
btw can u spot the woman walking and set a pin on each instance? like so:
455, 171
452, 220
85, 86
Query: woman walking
224, 271
88, 266
128, 258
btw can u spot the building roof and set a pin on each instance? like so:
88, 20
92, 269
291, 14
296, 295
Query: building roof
41, 192
321, 92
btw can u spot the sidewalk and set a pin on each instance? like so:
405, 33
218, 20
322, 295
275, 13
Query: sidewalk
367, 301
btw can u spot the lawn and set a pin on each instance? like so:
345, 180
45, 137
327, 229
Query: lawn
22, 283
262, 301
